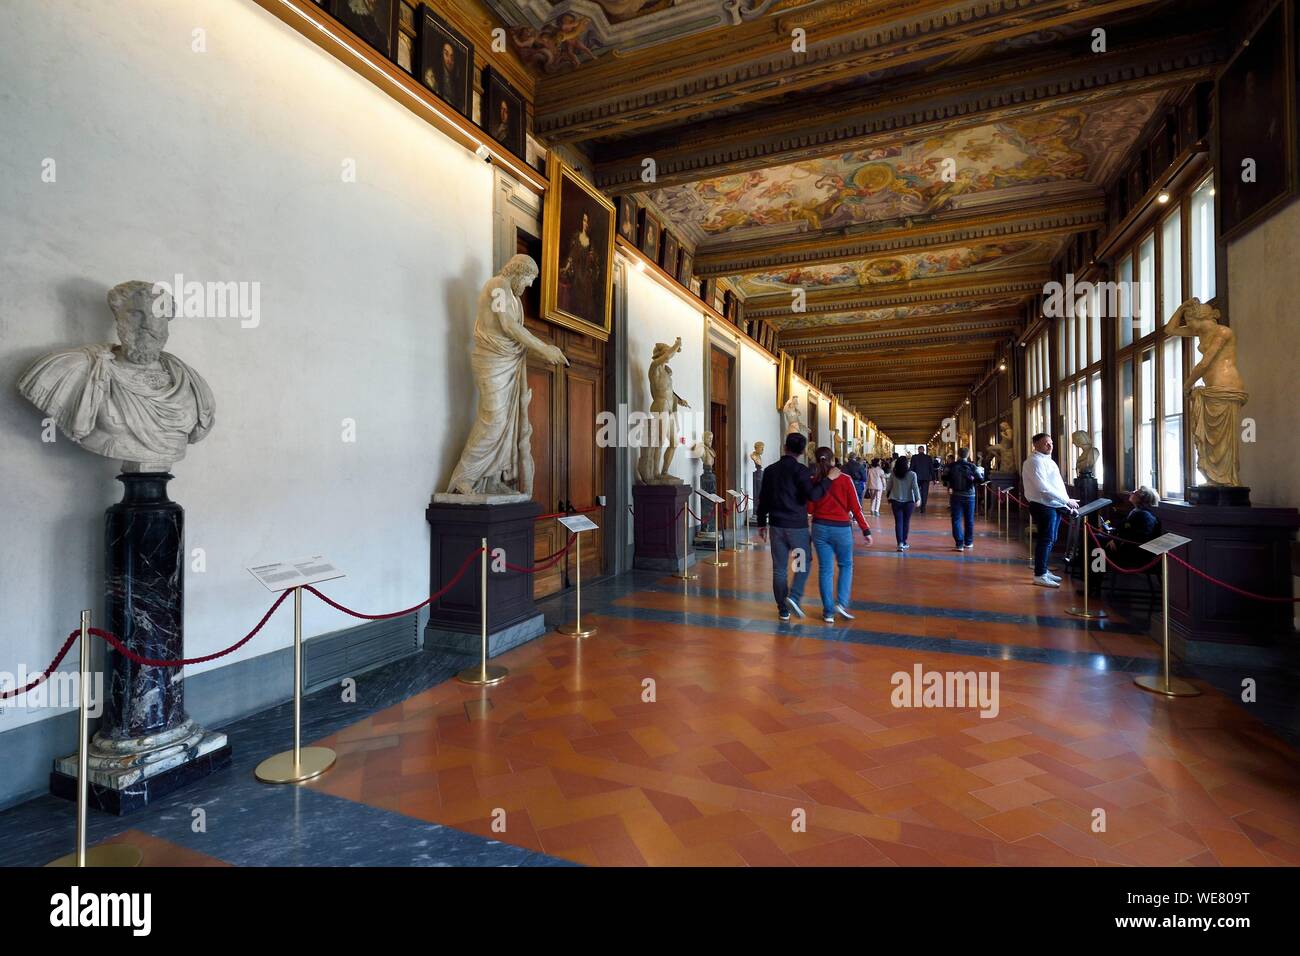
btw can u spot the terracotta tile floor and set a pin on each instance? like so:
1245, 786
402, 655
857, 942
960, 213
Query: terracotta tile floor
751, 733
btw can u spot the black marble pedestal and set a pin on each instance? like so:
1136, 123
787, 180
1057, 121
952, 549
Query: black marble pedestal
659, 539
1086, 489
1249, 548
456, 531
707, 532
752, 507
1236, 496
146, 746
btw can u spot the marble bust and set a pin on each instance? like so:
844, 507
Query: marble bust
496, 465
664, 404
131, 401
1088, 454
756, 456
996, 456
1213, 409
703, 450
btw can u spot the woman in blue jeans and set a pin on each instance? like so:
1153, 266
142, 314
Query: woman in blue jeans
904, 494
832, 536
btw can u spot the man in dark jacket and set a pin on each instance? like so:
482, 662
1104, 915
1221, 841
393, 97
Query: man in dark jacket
922, 466
783, 498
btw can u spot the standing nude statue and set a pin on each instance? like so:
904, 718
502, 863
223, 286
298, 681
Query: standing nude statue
664, 403
1213, 409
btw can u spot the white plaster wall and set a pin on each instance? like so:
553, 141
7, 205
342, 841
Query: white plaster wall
226, 165
759, 418
1263, 292
654, 314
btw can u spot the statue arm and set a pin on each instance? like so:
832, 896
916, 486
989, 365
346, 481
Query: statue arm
515, 329
1177, 324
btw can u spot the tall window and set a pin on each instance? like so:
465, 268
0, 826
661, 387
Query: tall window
1080, 354
1039, 384
1173, 262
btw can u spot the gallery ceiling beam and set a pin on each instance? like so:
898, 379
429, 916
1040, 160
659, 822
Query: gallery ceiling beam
911, 108
754, 61
1008, 282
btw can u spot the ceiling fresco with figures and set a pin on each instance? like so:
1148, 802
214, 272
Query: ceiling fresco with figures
984, 165
552, 36
900, 268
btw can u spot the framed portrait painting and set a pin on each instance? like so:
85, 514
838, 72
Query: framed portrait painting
671, 249
504, 115
627, 210
374, 21
446, 62
577, 253
686, 269
649, 235
1256, 162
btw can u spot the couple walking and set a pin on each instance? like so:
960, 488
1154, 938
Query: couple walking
790, 493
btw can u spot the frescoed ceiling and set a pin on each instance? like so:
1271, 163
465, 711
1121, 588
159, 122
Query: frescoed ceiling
908, 174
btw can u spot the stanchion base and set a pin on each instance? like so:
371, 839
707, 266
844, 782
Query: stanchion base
572, 630
713, 562
1088, 614
685, 576
483, 676
109, 854
1177, 687
312, 762
742, 546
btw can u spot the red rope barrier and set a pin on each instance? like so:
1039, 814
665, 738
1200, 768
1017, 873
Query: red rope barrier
63, 651
1236, 590
384, 617
547, 562
565, 514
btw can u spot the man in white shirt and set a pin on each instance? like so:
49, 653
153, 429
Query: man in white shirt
1045, 490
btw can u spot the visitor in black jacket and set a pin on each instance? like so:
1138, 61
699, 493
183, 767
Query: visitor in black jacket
1139, 526
788, 486
922, 466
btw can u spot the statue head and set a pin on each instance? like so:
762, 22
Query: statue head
758, 447
141, 311
707, 438
1005, 429
1198, 315
1081, 439
520, 271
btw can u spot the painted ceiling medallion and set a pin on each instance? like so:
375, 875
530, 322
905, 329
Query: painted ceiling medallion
875, 316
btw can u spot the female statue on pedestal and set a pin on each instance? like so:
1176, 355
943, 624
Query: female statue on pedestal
1213, 409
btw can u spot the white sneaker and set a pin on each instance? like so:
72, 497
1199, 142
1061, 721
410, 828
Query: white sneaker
970, 547
1054, 577
959, 549
902, 547
793, 605
1045, 582
843, 611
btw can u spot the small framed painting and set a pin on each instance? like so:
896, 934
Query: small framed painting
686, 269
649, 235
374, 21
627, 210
406, 17
504, 115
671, 248
447, 62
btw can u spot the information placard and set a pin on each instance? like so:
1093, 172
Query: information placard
708, 496
284, 575
734, 493
1166, 542
577, 523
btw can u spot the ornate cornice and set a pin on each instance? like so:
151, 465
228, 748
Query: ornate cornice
979, 285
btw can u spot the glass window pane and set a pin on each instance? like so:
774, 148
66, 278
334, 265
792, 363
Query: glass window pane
1127, 459
1146, 471
1126, 301
1171, 265
1146, 277
1171, 450
1202, 240
1096, 424
1094, 326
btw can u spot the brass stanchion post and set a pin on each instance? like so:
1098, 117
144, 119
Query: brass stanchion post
111, 854
300, 763
576, 629
716, 560
1083, 612
485, 674
685, 574
1164, 684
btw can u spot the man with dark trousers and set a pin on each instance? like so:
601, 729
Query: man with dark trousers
788, 486
922, 466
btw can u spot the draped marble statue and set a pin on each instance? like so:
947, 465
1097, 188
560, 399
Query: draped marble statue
998, 456
131, 401
1213, 409
793, 417
497, 461
664, 403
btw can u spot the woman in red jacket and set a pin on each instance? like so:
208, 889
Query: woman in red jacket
832, 535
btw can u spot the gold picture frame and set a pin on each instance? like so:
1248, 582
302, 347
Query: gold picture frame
577, 276
784, 380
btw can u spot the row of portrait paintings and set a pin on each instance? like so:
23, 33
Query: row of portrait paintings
642, 228
442, 58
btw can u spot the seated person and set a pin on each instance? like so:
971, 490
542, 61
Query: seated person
1139, 526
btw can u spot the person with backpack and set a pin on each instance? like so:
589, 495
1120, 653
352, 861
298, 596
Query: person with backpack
857, 473
833, 516
962, 477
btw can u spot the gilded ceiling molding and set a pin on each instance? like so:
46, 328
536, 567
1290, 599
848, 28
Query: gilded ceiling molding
912, 234
742, 63
980, 285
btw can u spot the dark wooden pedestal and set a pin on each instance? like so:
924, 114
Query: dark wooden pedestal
659, 544
456, 531
1249, 548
